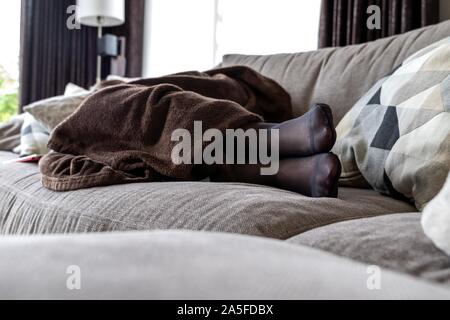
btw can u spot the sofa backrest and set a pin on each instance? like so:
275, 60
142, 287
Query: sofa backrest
339, 76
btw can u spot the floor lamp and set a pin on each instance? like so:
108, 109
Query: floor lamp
100, 14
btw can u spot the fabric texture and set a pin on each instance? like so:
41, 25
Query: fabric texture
10, 133
345, 22
436, 219
26, 207
189, 265
395, 242
338, 77
52, 111
131, 138
397, 137
33, 137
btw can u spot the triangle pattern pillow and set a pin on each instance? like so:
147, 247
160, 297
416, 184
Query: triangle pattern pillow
397, 137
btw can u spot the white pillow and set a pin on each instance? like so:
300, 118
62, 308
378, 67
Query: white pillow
124, 79
436, 219
73, 89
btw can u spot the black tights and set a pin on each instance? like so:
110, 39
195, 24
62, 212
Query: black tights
306, 165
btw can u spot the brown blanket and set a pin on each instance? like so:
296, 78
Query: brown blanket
122, 134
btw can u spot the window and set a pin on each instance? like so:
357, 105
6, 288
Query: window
194, 35
267, 26
9, 57
180, 36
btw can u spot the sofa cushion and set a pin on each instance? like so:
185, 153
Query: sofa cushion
189, 265
26, 207
339, 76
394, 241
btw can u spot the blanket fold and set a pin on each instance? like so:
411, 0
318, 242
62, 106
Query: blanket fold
122, 133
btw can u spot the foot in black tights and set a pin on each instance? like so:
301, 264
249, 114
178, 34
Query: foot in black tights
316, 176
313, 133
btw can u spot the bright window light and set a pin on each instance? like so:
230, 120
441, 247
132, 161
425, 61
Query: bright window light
267, 26
10, 35
9, 57
194, 35
181, 36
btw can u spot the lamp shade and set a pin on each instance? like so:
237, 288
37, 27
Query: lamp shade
104, 13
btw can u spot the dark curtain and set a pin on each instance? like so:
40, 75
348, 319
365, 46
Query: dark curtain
344, 22
52, 55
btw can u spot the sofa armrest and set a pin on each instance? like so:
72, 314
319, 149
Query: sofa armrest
187, 265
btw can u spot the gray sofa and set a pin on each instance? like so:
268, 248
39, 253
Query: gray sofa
360, 225
189, 265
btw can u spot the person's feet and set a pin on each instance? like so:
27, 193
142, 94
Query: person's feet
313, 133
305, 167
315, 176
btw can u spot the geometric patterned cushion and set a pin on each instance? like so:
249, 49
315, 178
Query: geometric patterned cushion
397, 137
33, 137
